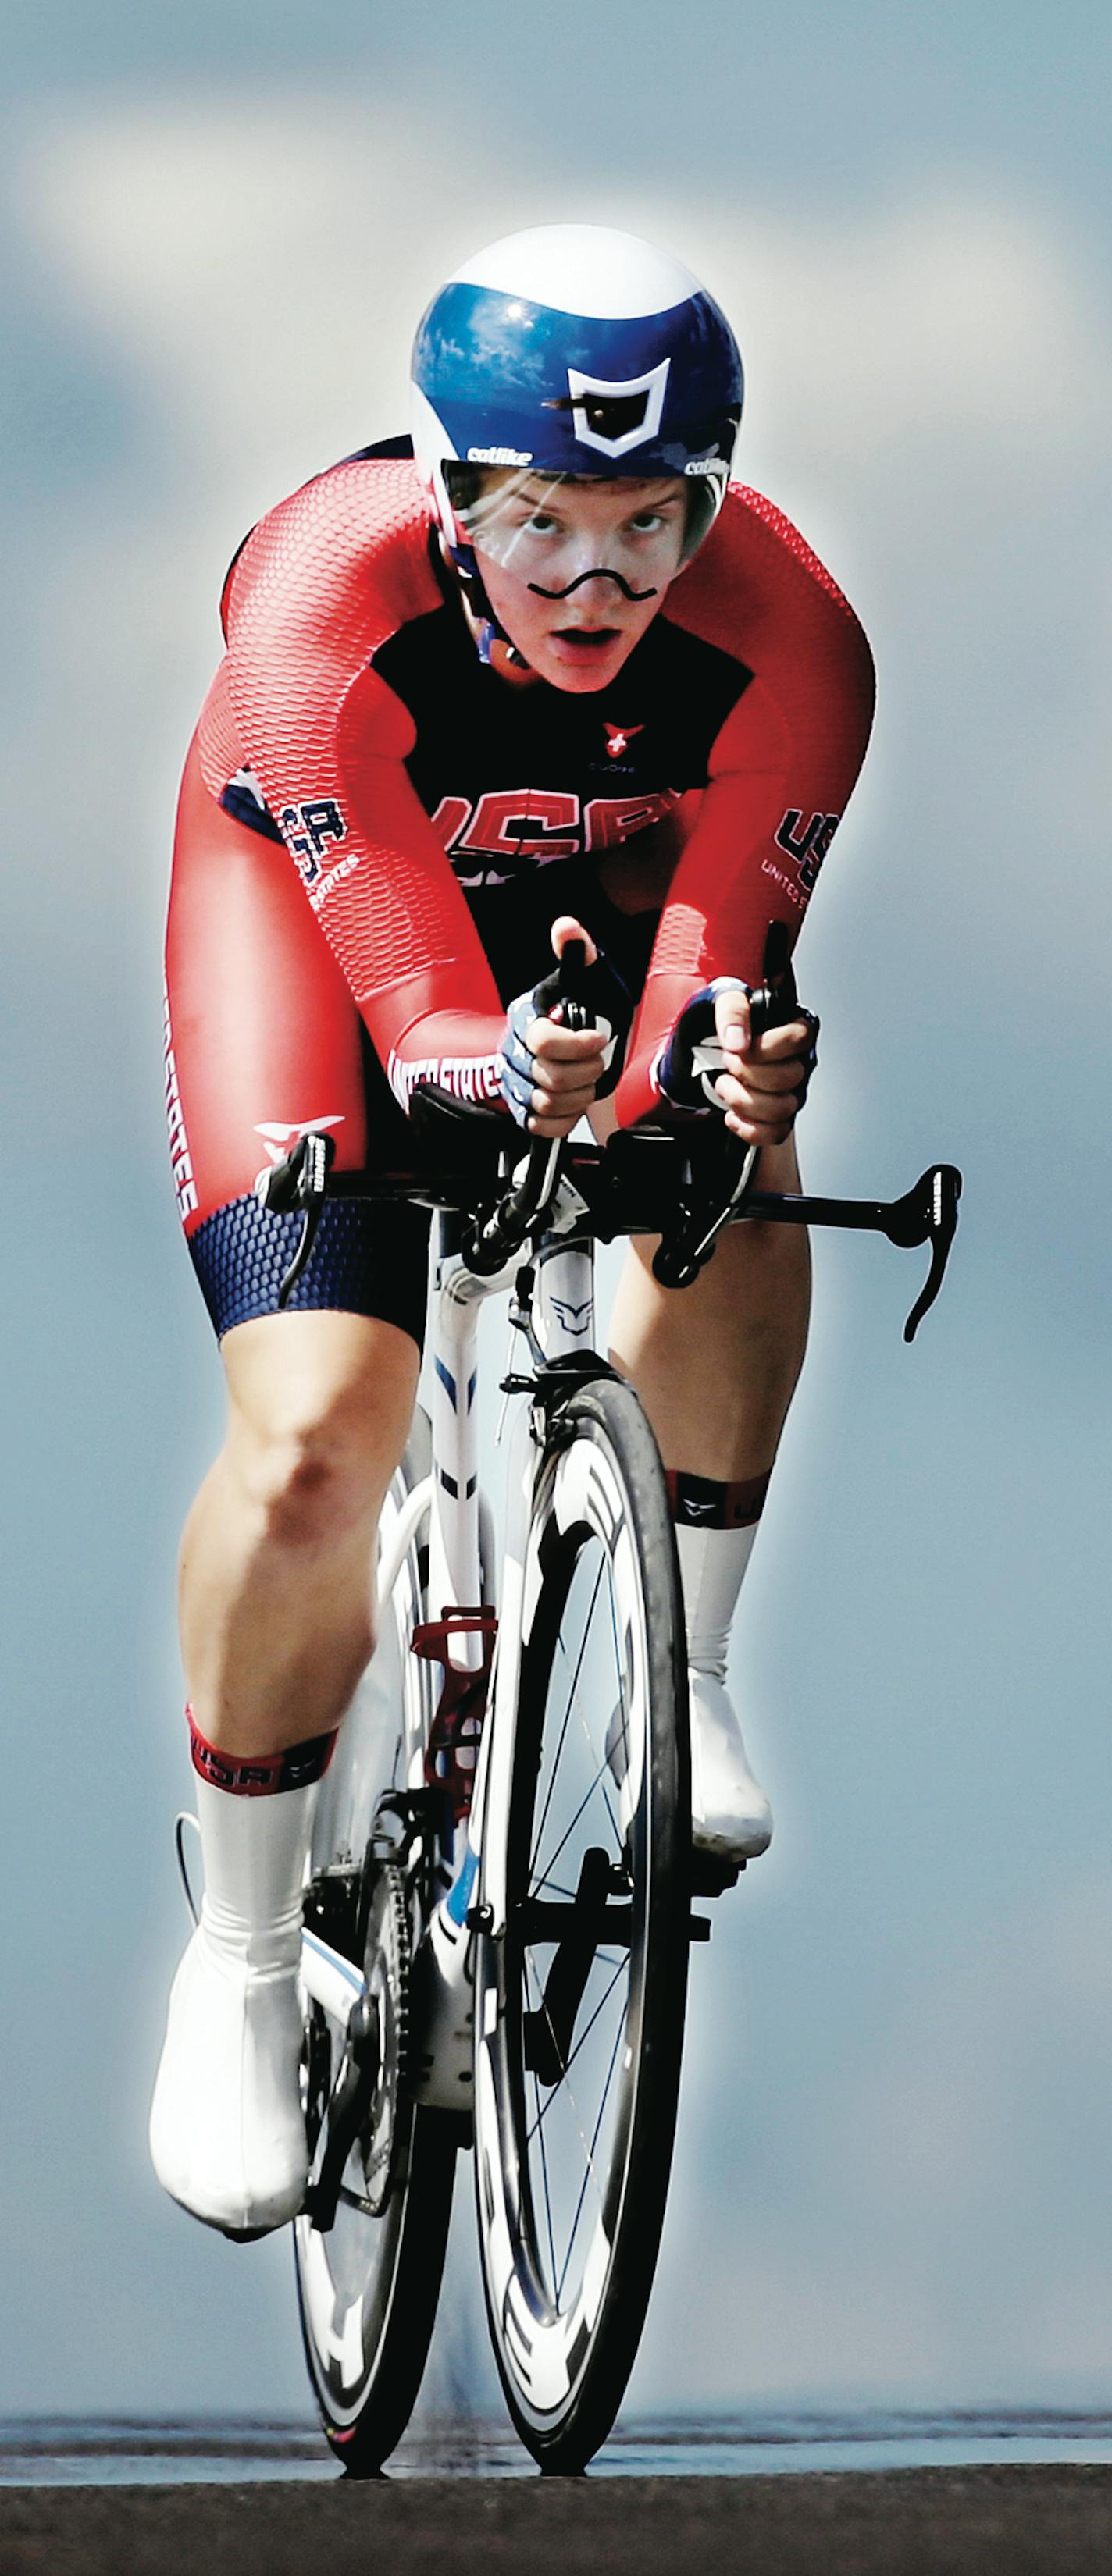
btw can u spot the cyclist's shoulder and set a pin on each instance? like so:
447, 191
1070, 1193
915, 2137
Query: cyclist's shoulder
349, 550
756, 587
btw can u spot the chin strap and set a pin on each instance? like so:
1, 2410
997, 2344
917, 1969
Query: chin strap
491, 632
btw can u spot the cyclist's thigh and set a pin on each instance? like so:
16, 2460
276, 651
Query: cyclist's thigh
264, 1042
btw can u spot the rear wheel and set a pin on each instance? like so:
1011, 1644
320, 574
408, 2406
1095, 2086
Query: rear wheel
368, 2286
579, 1998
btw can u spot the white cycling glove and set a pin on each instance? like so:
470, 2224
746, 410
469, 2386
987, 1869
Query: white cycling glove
692, 1057
517, 1065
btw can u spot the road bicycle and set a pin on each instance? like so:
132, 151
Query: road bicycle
502, 1885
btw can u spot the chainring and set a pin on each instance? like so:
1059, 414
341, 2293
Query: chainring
388, 1961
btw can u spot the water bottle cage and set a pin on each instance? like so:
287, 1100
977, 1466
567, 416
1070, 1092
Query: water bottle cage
453, 1745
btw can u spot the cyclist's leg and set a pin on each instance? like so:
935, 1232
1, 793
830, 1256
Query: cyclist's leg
275, 1607
264, 1041
716, 1365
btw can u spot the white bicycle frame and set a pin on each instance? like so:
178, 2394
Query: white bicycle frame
460, 1533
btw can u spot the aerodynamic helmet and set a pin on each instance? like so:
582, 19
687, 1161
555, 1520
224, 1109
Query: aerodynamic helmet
573, 350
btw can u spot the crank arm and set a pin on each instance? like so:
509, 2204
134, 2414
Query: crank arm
332, 1980
345, 2113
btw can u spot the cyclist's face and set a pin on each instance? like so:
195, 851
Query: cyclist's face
575, 572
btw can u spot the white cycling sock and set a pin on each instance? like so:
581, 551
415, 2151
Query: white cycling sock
716, 1525
256, 1820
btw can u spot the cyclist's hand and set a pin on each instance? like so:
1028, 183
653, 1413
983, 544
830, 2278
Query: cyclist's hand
713, 1061
550, 1075
763, 1084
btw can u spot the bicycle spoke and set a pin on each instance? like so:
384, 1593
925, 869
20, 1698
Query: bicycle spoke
571, 2097
566, 1838
568, 1710
531, 1962
622, 1700
580, 2042
590, 2175
591, 1745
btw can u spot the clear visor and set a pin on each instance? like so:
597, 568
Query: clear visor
556, 530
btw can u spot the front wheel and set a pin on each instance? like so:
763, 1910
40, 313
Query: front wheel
580, 1987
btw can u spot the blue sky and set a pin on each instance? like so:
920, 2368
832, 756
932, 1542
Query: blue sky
222, 225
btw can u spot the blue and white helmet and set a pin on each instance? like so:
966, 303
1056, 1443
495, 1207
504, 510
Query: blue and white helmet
572, 349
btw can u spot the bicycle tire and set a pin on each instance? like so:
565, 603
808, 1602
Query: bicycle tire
368, 2290
565, 2340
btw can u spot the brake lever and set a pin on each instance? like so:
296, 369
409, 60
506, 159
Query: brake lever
928, 1212
677, 1264
298, 1181
487, 1245
771, 1005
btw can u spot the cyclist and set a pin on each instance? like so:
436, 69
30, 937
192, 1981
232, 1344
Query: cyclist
546, 661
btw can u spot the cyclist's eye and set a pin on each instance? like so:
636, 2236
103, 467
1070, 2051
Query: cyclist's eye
540, 523
647, 523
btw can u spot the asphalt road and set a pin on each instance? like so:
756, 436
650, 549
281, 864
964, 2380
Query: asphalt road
916, 2522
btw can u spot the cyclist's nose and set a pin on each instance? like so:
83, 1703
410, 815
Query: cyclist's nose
592, 558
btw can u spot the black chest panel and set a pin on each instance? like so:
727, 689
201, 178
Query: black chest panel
515, 778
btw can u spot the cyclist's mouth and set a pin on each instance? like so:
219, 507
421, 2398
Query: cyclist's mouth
586, 640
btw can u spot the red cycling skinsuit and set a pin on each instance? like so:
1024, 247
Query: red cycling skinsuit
353, 720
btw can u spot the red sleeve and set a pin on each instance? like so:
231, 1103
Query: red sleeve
780, 772
321, 584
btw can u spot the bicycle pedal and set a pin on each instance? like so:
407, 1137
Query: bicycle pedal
711, 1876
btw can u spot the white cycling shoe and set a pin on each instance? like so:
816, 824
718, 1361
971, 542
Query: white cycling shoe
730, 1814
227, 2130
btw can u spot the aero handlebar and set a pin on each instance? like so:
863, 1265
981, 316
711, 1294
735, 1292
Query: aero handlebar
686, 1184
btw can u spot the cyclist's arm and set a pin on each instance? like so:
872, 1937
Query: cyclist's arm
739, 871
779, 773
309, 603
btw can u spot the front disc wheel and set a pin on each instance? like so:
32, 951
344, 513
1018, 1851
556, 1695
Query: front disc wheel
579, 2001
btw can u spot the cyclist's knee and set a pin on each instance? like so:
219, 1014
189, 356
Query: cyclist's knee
306, 1483
318, 1421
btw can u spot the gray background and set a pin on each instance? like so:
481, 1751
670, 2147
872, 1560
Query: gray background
221, 225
